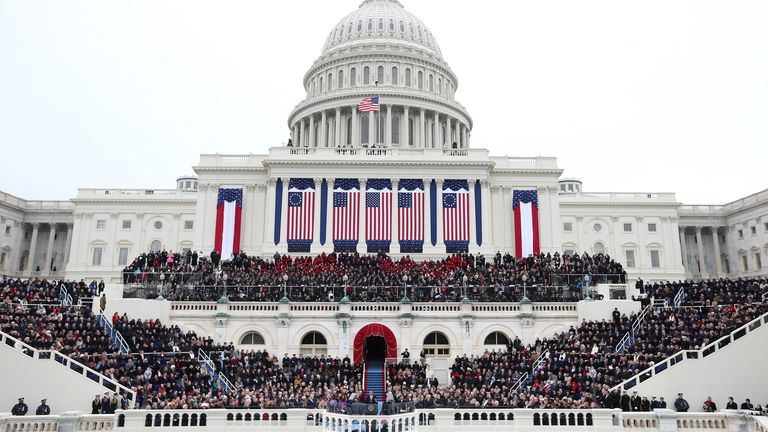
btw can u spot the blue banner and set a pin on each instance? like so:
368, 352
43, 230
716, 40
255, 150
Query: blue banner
323, 211
478, 213
433, 212
278, 208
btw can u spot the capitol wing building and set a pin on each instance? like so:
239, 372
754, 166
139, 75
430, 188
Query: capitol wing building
381, 158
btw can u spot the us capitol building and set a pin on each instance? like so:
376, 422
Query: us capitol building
419, 140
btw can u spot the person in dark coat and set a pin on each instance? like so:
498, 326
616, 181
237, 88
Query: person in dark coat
625, 402
96, 405
194, 259
681, 405
215, 257
105, 404
747, 405
646, 404
662, 403
113, 404
20, 408
43, 409
637, 402
731, 405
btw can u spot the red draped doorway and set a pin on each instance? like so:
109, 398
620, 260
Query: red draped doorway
374, 330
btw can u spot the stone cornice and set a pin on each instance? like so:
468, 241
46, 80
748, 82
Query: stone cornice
383, 161
133, 201
618, 204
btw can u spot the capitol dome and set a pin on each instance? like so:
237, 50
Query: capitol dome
383, 54
381, 20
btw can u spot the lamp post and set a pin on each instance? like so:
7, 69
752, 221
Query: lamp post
224, 298
162, 280
285, 287
586, 287
405, 288
464, 280
344, 298
525, 298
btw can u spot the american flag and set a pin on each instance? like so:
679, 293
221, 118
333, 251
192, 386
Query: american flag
370, 104
229, 208
301, 209
346, 209
456, 210
525, 209
410, 212
378, 210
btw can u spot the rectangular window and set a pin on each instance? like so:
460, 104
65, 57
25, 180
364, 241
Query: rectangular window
655, 261
126, 224
758, 261
753, 230
123, 256
628, 227
101, 224
2, 258
744, 266
97, 256
7, 230
185, 250
188, 225
765, 226
741, 234
568, 252
651, 227
630, 254
567, 226
562, 188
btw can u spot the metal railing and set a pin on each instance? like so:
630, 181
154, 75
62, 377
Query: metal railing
211, 368
379, 408
629, 338
114, 335
679, 297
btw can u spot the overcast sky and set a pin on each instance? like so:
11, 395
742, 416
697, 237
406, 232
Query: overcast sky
649, 95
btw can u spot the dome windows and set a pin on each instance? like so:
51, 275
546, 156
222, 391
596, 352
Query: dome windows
395, 77
391, 26
366, 75
380, 75
410, 28
349, 29
340, 76
359, 26
353, 77
402, 27
381, 25
420, 80
408, 77
431, 81
370, 25
420, 35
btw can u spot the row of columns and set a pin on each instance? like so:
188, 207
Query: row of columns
45, 267
394, 247
702, 264
333, 132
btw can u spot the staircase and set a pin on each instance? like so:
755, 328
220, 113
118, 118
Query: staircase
374, 378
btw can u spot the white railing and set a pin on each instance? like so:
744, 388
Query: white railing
114, 335
684, 355
679, 297
69, 363
208, 363
629, 338
407, 422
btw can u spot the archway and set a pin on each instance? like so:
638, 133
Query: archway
374, 331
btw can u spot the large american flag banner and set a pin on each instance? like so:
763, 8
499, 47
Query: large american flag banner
410, 215
301, 214
370, 104
229, 209
525, 206
346, 214
456, 215
378, 215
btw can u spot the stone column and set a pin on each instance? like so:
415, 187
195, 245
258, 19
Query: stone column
439, 204
448, 138
247, 227
422, 129
46, 269
372, 138
436, 133
702, 262
355, 130
67, 249
294, 133
32, 249
684, 248
337, 135
329, 217
718, 260
303, 132
312, 137
322, 142
394, 245
361, 218
487, 212
316, 216
404, 141
388, 127
427, 219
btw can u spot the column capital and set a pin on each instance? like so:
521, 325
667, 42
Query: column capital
394, 181
363, 182
330, 181
250, 187
318, 181
698, 230
484, 183
272, 181
35, 225
261, 186
439, 183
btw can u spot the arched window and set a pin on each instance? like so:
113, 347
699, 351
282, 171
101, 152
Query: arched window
431, 83
252, 338
364, 124
380, 74
381, 24
420, 80
349, 29
395, 130
439, 85
353, 77
155, 246
366, 75
496, 338
407, 77
340, 77
436, 345
410, 131
599, 248
391, 25
370, 25
359, 26
320, 87
402, 27
330, 81
395, 78
313, 343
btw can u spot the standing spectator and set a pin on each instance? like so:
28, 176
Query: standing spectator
681, 405
616, 315
636, 402
747, 405
103, 302
20, 408
709, 405
731, 405
625, 402
43, 409
105, 403
662, 403
96, 405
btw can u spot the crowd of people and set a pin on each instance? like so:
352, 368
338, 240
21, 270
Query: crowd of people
576, 368
372, 278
